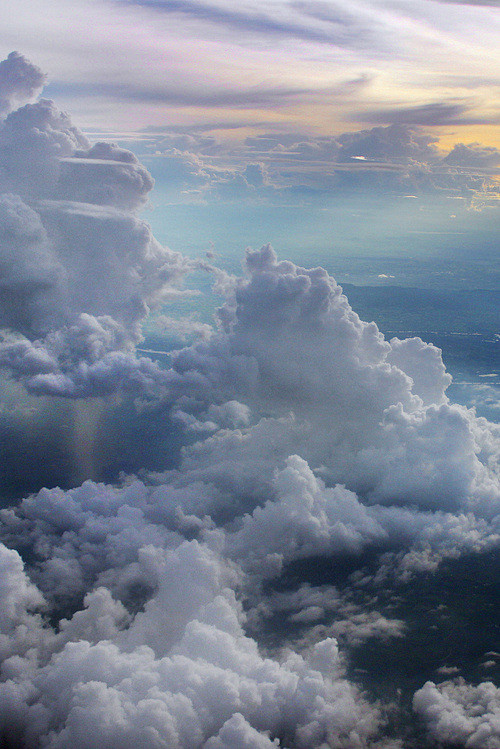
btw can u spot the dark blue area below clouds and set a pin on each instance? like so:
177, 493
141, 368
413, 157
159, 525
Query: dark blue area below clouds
451, 618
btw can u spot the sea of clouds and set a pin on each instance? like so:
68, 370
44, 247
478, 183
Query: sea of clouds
131, 614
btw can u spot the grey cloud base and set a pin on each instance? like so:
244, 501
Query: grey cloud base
136, 614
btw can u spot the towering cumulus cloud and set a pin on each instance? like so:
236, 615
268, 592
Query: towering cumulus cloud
180, 609
79, 269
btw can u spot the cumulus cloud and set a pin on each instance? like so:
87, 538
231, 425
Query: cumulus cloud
105, 175
473, 155
460, 714
237, 733
395, 159
305, 519
126, 610
20, 81
80, 361
181, 673
397, 142
373, 413
171, 663
323, 611
76, 261
19, 601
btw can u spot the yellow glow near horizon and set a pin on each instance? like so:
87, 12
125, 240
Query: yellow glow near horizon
486, 135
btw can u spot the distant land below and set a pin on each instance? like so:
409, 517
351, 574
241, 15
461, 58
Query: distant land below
463, 323
407, 308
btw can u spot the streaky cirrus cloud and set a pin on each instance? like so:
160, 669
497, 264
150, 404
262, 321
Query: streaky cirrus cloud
295, 57
312, 22
438, 113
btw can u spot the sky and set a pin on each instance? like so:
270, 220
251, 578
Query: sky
249, 412
319, 67
329, 111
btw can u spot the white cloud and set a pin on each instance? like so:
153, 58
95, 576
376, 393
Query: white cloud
237, 733
373, 413
206, 679
79, 270
20, 81
326, 440
460, 714
303, 520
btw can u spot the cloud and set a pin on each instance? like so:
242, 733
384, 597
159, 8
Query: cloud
260, 38
460, 714
486, 3
20, 81
305, 519
19, 599
474, 156
105, 175
308, 614
135, 614
191, 96
368, 413
297, 168
87, 359
172, 663
278, 325
308, 23
184, 328
212, 682
397, 142
430, 115
79, 270
237, 733
32, 140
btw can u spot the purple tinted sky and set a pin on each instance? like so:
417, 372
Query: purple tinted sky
319, 67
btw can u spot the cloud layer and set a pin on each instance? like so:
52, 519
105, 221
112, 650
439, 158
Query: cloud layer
135, 614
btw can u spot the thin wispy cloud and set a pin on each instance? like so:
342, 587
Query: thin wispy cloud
286, 48
296, 21
430, 115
